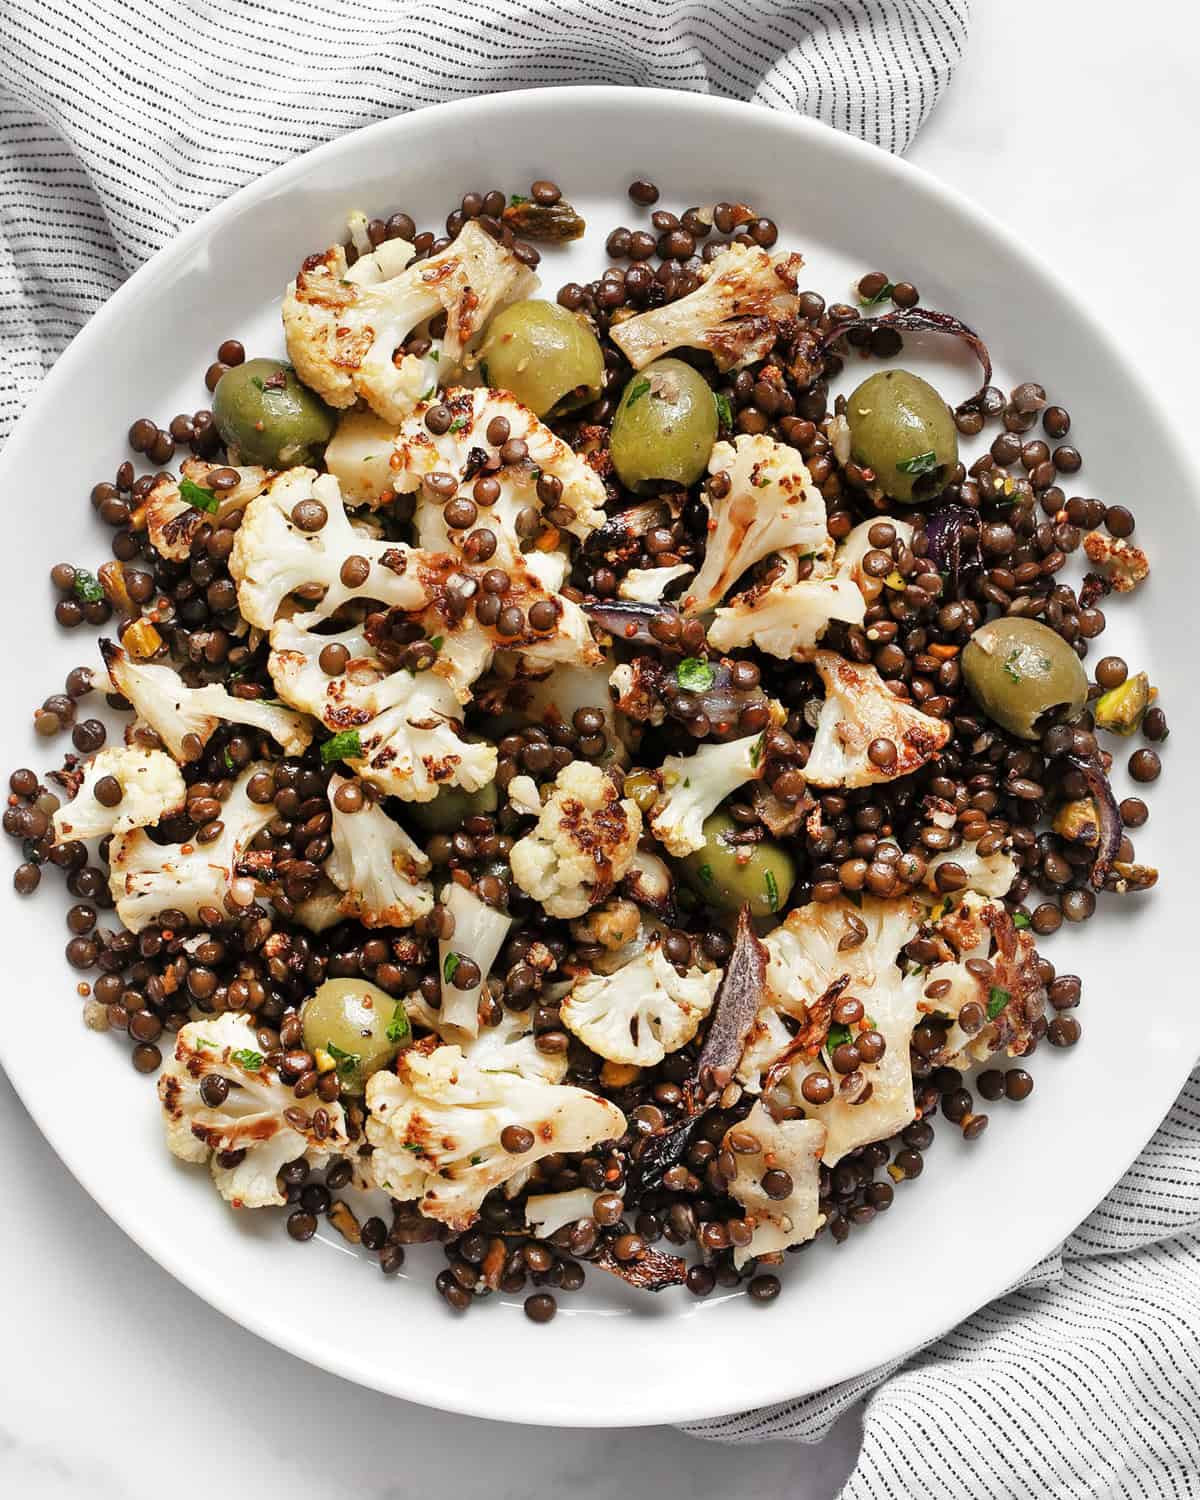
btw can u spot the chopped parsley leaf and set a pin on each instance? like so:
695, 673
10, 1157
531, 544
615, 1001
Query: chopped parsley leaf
399, 1028
694, 674
227, 758
198, 497
882, 295
837, 1036
347, 1062
458, 424
772, 890
517, 198
247, 1058
997, 1000
437, 642
345, 745
724, 409
256, 382
450, 967
87, 586
756, 750
920, 463
1010, 668
1020, 920
636, 391
706, 874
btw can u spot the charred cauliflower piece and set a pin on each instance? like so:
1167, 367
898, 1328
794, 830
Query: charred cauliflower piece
642, 1011
344, 331
735, 315
260, 1121
791, 1146
809, 968
333, 562
584, 842
146, 878
177, 508
989, 874
510, 1047
693, 786
786, 619
859, 709
149, 786
1126, 564
185, 718
761, 499
375, 864
436, 1125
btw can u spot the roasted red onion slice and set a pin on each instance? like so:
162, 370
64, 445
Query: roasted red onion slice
629, 620
653, 1271
925, 320
1108, 843
952, 533
739, 999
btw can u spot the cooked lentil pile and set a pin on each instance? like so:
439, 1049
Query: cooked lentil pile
589, 796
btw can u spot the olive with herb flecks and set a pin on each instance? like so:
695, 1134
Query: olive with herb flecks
1024, 676
360, 1026
902, 430
725, 875
665, 426
262, 410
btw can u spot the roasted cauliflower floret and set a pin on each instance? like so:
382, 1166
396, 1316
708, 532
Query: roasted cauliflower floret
343, 332
148, 787
693, 786
375, 864
510, 1047
648, 585
859, 709
436, 1125
735, 315
333, 563
414, 745
177, 508
1004, 1004
791, 1146
989, 874
761, 499
466, 956
260, 1124
1126, 564
809, 967
786, 619
185, 718
584, 842
146, 878
642, 1011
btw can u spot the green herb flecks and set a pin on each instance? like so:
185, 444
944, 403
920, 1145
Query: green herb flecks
346, 1063
637, 390
997, 1000
920, 463
399, 1028
1011, 669
836, 1037
756, 750
198, 497
517, 198
706, 874
1020, 920
247, 1058
724, 409
694, 674
882, 295
87, 586
458, 424
345, 745
772, 890
450, 967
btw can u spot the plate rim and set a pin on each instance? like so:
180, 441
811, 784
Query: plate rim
159, 1244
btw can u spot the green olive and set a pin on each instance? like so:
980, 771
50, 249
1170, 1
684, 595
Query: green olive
902, 429
263, 411
446, 812
725, 875
664, 427
351, 1020
547, 357
1024, 676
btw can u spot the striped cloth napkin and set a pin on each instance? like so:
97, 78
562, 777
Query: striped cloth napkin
122, 120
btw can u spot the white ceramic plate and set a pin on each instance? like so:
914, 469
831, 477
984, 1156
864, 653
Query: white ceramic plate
981, 1214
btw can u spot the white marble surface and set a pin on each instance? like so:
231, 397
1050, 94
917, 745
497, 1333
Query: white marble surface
1076, 122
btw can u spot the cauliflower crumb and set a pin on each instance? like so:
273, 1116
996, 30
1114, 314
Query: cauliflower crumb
150, 788
1127, 565
584, 842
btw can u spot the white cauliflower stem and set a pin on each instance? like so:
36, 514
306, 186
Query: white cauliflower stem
150, 784
695, 785
177, 713
376, 866
791, 1146
761, 500
858, 709
642, 1011
260, 1123
436, 1125
343, 332
734, 315
989, 874
584, 842
358, 456
478, 935
146, 878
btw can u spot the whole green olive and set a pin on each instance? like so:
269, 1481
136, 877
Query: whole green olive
902, 429
1023, 675
726, 875
361, 1027
263, 411
446, 812
547, 357
665, 426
